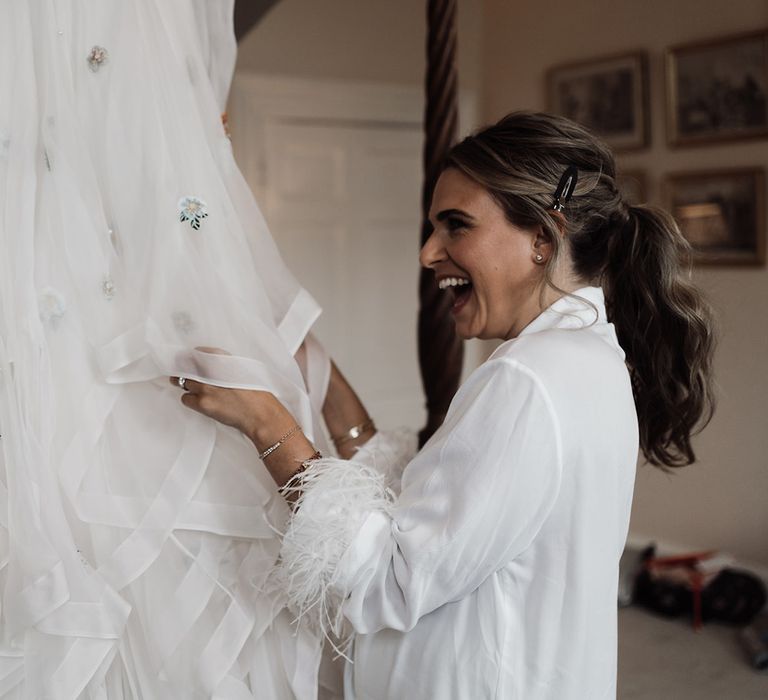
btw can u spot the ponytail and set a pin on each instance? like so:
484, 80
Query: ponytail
665, 328
637, 254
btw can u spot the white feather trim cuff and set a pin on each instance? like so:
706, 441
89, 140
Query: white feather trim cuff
388, 453
335, 497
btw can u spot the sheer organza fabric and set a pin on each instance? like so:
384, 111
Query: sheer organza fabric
136, 535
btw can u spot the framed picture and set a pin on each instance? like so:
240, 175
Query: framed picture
721, 213
717, 90
633, 185
607, 95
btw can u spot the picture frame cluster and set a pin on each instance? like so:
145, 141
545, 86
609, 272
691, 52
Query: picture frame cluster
716, 92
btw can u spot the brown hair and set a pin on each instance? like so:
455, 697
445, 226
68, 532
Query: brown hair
636, 253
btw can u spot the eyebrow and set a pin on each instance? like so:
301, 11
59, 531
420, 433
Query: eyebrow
443, 215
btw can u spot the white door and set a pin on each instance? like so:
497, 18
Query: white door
340, 192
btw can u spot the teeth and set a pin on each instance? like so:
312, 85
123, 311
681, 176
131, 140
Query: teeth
452, 282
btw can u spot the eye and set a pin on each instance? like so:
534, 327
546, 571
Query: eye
456, 224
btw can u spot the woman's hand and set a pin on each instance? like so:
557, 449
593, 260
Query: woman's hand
257, 414
261, 417
250, 412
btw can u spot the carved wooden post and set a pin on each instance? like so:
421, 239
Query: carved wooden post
440, 350
248, 13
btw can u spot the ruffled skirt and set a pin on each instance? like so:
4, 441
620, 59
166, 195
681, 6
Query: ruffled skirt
136, 535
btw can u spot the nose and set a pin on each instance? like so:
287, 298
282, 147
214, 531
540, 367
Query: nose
433, 251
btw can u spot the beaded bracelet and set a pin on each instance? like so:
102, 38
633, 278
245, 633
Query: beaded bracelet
272, 448
287, 487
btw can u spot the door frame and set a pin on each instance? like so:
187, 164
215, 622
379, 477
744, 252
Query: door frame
288, 98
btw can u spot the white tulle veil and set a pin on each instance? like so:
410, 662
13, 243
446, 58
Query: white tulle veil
135, 535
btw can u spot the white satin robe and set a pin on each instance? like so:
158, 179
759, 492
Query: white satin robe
493, 573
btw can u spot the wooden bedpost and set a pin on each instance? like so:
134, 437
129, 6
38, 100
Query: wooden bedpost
440, 350
248, 13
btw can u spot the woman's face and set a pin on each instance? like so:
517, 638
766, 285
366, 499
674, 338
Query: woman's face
482, 260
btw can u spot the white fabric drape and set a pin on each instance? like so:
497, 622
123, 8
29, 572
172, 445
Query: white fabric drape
135, 535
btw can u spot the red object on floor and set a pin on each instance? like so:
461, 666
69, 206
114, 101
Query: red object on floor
685, 569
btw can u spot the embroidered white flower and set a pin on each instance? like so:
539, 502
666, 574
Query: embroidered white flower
108, 288
183, 322
82, 558
97, 58
52, 306
193, 210
5, 145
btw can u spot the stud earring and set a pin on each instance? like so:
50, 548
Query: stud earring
539, 258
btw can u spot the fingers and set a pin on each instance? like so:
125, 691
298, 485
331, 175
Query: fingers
209, 403
198, 403
190, 386
199, 397
191, 401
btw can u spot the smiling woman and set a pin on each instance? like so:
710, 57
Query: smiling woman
470, 230
486, 565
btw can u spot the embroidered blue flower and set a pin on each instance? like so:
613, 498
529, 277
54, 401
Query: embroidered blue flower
97, 58
52, 306
193, 210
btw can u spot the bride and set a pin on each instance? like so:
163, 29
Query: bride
136, 536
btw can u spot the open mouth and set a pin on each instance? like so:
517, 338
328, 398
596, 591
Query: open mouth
460, 287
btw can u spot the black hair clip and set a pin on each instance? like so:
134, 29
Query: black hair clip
565, 187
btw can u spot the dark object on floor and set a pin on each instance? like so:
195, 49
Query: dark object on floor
630, 566
754, 638
733, 597
675, 586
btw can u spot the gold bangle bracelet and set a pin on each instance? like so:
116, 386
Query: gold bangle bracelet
354, 432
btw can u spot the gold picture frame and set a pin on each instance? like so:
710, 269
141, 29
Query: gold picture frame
721, 213
717, 90
608, 95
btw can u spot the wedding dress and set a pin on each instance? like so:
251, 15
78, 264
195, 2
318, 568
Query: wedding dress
135, 534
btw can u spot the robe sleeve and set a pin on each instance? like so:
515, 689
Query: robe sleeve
388, 452
471, 501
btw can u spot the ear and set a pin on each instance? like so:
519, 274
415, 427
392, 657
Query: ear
541, 244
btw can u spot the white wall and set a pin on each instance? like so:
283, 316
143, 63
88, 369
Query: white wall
721, 502
368, 40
